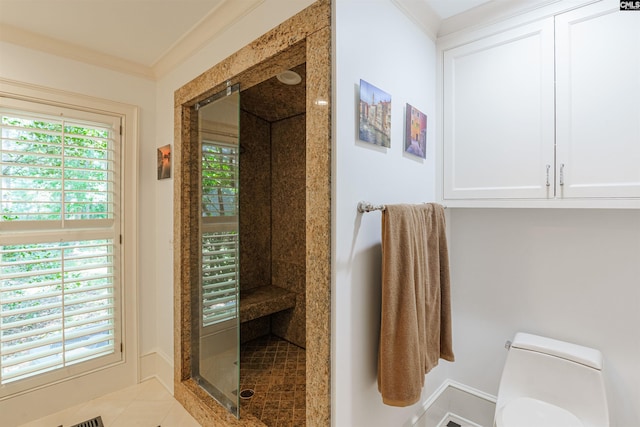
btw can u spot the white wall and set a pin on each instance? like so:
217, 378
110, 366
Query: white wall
376, 42
573, 275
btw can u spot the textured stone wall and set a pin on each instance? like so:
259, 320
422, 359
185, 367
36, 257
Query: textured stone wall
255, 201
288, 224
273, 214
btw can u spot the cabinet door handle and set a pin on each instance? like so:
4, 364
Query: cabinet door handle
548, 183
562, 174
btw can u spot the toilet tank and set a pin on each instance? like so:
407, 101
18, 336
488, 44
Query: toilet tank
563, 374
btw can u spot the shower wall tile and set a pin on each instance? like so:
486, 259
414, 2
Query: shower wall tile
272, 207
291, 324
290, 273
254, 329
288, 171
282, 100
255, 202
288, 232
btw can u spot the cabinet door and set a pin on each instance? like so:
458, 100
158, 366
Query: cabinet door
499, 114
598, 102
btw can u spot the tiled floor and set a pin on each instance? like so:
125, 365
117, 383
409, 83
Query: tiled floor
147, 404
275, 370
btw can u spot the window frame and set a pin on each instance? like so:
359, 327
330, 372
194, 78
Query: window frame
64, 230
120, 373
48, 111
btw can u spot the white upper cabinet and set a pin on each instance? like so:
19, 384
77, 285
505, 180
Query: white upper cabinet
546, 113
598, 102
498, 115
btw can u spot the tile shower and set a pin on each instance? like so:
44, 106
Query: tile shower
272, 201
272, 250
284, 226
275, 370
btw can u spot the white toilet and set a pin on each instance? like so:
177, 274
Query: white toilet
546, 382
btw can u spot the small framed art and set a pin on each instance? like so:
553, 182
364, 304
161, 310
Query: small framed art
415, 136
375, 115
164, 162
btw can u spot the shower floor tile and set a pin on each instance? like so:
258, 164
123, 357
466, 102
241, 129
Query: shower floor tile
275, 370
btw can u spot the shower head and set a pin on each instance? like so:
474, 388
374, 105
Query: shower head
289, 77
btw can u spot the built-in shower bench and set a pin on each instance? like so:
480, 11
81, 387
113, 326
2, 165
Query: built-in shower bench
263, 301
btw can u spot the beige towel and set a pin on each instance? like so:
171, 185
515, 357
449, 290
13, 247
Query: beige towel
415, 330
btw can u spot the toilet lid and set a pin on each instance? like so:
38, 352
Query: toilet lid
528, 412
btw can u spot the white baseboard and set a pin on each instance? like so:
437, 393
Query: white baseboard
426, 409
463, 422
455, 399
157, 365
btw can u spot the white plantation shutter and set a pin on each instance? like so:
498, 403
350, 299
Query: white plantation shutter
59, 243
57, 305
219, 233
219, 276
55, 170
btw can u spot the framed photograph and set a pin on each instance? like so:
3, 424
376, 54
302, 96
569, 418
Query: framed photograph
164, 162
375, 115
415, 136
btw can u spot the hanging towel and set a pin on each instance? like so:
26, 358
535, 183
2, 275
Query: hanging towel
415, 330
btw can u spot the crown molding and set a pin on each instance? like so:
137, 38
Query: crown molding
493, 12
422, 14
215, 22
72, 51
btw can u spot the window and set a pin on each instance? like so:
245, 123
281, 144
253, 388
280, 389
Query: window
60, 233
219, 186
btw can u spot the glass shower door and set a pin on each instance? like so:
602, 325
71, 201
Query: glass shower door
215, 301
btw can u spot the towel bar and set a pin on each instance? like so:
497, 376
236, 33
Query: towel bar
369, 207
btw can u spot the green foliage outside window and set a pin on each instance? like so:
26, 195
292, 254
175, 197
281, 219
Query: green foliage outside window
50, 169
